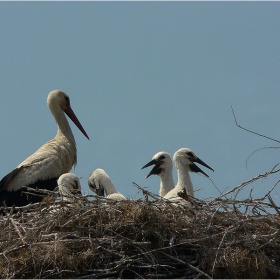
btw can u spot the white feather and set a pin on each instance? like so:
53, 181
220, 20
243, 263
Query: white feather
184, 158
163, 168
99, 180
69, 187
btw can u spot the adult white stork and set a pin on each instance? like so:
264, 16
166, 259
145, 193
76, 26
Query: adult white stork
184, 160
163, 168
42, 169
69, 186
99, 181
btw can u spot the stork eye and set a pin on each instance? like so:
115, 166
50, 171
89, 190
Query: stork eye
67, 99
190, 154
162, 157
76, 185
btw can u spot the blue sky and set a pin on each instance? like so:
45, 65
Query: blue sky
144, 77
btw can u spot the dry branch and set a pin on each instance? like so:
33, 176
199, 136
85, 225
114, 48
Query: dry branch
261, 135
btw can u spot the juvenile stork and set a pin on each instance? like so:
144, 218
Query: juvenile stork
184, 160
99, 181
69, 186
163, 168
42, 169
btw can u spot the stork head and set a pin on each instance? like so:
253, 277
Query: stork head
187, 157
69, 186
98, 181
161, 161
58, 100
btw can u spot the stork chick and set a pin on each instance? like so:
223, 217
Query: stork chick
163, 168
69, 186
99, 182
184, 160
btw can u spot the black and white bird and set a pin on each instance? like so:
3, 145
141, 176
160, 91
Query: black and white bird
99, 182
69, 187
163, 168
42, 169
184, 160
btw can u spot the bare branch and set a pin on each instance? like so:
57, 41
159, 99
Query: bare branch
251, 130
257, 151
238, 188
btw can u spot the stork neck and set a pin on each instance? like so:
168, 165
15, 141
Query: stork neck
109, 187
64, 128
166, 182
184, 180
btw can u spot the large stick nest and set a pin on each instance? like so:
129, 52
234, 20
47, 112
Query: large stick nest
219, 238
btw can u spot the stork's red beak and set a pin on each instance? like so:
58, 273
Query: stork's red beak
69, 112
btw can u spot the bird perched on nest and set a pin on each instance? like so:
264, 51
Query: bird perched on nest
69, 187
184, 160
42, 169
163, 168
99, 181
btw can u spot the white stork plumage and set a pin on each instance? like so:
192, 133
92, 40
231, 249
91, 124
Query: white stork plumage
163, 168
42, 169
69, 186
184, 160
99, 181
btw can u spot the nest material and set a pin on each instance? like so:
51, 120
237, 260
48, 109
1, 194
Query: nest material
141, 239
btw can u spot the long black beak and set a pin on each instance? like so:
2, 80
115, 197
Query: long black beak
150, 163
156, 169
195, 168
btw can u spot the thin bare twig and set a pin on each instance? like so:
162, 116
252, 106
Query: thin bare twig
264, 175
251, 130
257, 151
145, 192
187, 264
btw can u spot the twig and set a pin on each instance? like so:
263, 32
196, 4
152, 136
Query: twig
257, 151
110, 252
13, 249
145, 192
189, 265
26, 207
272, 189
218, 249
272, 203
214, 184
250, 130
44, 191
17, 230
250, 181
32, 254
210, 222
100, 275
